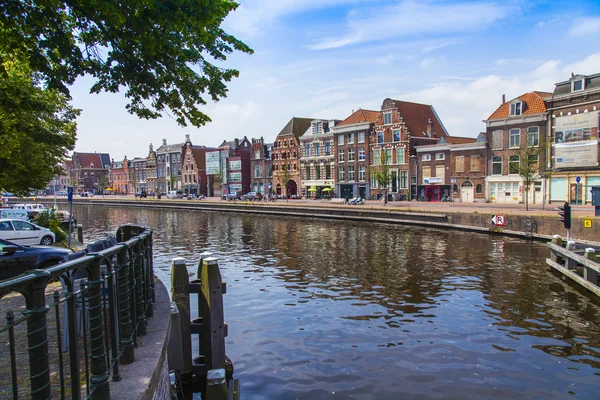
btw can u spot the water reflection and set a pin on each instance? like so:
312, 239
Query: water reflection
374, 311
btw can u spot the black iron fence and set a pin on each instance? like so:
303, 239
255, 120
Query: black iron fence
80, 320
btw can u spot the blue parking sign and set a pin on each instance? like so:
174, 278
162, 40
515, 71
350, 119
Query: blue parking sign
70, 194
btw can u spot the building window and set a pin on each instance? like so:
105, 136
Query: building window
426, 173
317, 149
379, 137
578, 85
440, 172
426, 157
516, 108
533, 160
342, 174
514, 163
327, 148
307, 150
440, 156
514, 138
235, 177
361, 154
377, 157
396, 135
361, 137
403, 179
257, 173
341, 155
317, 172
351, 154
474, 163
351, 138
317, 128
235, 165
533, 136
362, 173
351, 173
497, 165
387, 118
327, 171
374, 183
340, 140
459, 164
388, 156
400, 155
497, 140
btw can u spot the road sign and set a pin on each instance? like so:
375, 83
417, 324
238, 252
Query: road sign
498, 220
70, 194
587, 223
578, 179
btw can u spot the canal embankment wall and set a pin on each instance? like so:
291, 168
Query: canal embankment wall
532, 226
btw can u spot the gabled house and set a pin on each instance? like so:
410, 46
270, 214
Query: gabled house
235, 170
453, 169
122, 178
286, 161
261, 166
139, 174
89, 171
168, 166
574, 110
351, 154
400, 126
516, 133
151, 172
193, 171
317, 160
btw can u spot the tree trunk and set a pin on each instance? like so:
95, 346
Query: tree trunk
385, 196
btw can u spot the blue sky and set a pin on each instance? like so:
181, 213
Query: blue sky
326, 58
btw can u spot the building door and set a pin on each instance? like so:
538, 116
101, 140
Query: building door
346, 191
576, 193
467, 192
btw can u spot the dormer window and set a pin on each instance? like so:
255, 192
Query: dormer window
317, 129
516, 108
577, 85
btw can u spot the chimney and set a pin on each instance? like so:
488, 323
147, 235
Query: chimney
429, 127
187, 138
503, 98
164, 142
237, 143
151, 148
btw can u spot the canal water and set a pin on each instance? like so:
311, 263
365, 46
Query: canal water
330, 309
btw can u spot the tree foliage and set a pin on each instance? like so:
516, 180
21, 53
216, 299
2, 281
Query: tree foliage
159, 51
529, 167
37, 129
382, 174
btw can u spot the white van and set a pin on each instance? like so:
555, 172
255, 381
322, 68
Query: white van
172, 194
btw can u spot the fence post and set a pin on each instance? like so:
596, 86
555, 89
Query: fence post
149, 268
180, 293
123, 302
100, 385
557, 240
569, 263
589, 274
37, 336
140, 289
216, 385
213, 335
80, 233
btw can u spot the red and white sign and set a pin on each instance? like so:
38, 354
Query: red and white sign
498, 220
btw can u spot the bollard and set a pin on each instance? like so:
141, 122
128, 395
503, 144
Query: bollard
80, 233
216, 384
590, 274
174, 347
180, 293
557, 240
213, 335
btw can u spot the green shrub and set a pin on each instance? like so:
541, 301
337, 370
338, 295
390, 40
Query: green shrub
49, 220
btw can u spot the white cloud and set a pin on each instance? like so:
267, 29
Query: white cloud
585, 26
409, 18
427, 62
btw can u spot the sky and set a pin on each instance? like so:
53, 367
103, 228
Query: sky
327, 58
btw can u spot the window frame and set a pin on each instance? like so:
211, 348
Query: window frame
512, 135
440, 156
497, 160
426, 157
512, 170
362, 155
361, 137
516, 108
341, 155
387, 118
380, 137
536, 135
575, 81
350, 154
394, 132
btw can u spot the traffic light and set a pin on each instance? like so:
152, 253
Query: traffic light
565, 215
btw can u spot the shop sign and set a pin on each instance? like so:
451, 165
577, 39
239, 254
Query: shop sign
579, 154
433, 180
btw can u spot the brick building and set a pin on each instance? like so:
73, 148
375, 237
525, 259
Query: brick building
515, 131
139, 174
193, 171
89, 171
574, 109
286, 161
122, 177
235, 171
401, 126
454, 168
352, 155
261, 166
151, 172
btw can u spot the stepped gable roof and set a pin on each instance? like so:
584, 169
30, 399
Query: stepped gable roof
99, 160
296, 126
534, 104
360, 116
416, 116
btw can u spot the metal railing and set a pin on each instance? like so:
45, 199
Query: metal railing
106, 297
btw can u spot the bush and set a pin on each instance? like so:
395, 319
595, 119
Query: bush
48, 219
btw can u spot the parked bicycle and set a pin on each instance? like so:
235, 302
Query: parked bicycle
422, 198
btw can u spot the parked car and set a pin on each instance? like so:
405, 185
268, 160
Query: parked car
86, 194
23, 232
61, 193
7, 194
16, 259
250, 196
231, 196
172, 194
